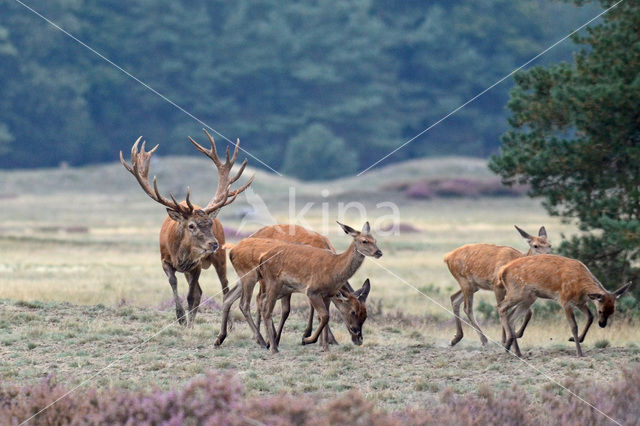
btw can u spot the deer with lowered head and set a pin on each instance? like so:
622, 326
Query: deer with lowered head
190, 237
318, 273
299, 234
548, 276
245, 259
474, 266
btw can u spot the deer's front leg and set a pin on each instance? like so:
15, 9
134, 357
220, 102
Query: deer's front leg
568, 311
585, 310
195, 293
318, 304
173, 282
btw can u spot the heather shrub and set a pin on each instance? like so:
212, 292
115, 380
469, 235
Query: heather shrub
460, 187
217, 399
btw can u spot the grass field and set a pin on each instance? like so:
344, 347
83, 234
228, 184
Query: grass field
82, 287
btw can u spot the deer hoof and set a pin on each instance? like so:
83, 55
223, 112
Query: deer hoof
455, 340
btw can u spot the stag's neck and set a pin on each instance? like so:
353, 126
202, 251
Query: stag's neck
347, 264
187, 258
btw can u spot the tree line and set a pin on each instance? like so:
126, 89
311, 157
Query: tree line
315, 90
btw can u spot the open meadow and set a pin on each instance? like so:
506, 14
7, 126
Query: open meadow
83, 295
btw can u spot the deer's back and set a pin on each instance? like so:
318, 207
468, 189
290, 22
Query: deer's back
479, 263
294, 234
549, 276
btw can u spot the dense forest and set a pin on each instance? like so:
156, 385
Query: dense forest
313, 89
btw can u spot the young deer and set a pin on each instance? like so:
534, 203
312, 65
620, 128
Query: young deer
190, 237
547, 276
245, 257
298, 234
318, 273
474, 266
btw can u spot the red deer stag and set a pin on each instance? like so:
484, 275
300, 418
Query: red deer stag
548, 276
318, 273
474, 266
190, 237
245, 258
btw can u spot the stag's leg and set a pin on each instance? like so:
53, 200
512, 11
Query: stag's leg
220, 263
285, 302
468, 309
226, 308
568, 311
195, 293
173, 282
456, 301
585, 310
503, 310
323, 314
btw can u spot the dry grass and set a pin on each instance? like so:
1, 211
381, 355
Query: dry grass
82, 286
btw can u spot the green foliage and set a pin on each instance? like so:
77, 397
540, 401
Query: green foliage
318, 153
373, 72
575, 138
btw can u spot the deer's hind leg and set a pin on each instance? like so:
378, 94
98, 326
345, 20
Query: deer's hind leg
468, 293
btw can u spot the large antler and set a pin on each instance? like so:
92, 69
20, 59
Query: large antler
224, 196
139, 168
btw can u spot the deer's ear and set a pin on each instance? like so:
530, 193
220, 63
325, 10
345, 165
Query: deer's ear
523, 233
174, 215
363, 292
341, 296
596, 296
214, 214
348, 230
366, 228
542, 232
622, 290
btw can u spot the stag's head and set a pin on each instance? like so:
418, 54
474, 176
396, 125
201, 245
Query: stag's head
196, 228
606, 303
364, 242
353, 308
194, 224
539, 244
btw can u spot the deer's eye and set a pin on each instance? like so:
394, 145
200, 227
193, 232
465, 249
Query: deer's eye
365, 242
353, 313
192, 226
536, 246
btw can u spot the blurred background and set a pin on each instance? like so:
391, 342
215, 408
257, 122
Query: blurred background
315, 91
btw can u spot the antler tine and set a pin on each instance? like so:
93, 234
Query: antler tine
235, 151
139, 168
238, 191
211, 153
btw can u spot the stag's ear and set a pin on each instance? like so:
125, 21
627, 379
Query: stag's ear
619, 292
596, 296
366, 228
348, 230
363, 292
177, 216
542, 232
523, 233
